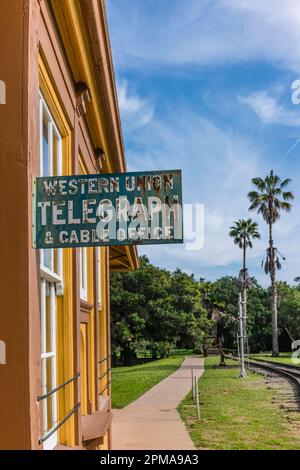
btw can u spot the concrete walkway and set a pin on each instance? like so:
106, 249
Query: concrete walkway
152, 421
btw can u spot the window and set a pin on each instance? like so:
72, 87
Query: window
83, 273
51, 273
99, 277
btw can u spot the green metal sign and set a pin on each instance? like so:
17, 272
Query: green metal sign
108, 209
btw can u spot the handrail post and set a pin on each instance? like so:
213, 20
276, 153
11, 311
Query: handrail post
192, 373
197, 397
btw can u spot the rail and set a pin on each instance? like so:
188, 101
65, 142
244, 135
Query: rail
295, 368
46, 395
105, 388
105, 359
44, 438
279, 368
106, 373
68, 416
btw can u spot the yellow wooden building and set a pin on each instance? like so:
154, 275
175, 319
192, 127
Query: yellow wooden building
58, 116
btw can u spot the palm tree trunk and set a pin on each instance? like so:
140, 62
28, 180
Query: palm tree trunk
275, 349
244, 293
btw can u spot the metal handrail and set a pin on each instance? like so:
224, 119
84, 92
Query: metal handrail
105, 373
44, 438
105, 359
106, 386
46, 395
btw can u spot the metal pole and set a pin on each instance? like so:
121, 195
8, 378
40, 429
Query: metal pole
198, 400
243, 371
197, 397
192, 372
248, 352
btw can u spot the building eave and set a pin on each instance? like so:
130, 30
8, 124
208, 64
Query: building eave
83, 28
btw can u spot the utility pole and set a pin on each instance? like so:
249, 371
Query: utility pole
241, 337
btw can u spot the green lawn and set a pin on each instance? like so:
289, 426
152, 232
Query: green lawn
129, 383
284, 358
236, 413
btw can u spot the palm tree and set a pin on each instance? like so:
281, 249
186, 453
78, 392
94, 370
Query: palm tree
269, 200
243, 232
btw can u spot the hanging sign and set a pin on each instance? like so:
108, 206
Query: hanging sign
108, 209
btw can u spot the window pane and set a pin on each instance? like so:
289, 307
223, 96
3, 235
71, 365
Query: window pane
48, 259
46, 165
83, 272
56, 166
51, 165
56, 261
43, 316
49, 375
49, 320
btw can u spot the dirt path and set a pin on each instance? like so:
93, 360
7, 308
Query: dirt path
152, 421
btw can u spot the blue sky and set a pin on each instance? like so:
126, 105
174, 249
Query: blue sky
205, 86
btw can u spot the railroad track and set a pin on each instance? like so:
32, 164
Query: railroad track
285, 379
287, 371
288, 367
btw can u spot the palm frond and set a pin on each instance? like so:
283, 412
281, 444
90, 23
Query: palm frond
270, 198
288, 196
278, 264
285, 182
266, 267
286, 206
243, 231
259, 183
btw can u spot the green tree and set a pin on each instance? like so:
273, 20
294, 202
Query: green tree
225, 292
243, 232
187, 302
259, 324
153, 311
289, 313
269, 199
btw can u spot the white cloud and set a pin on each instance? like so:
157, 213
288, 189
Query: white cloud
217, 168
135, 111
205, 32
269, 110
217, 163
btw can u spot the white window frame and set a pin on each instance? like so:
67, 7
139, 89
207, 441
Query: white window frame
54, 282
99, 277
52, 129
51, 442
83, 263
